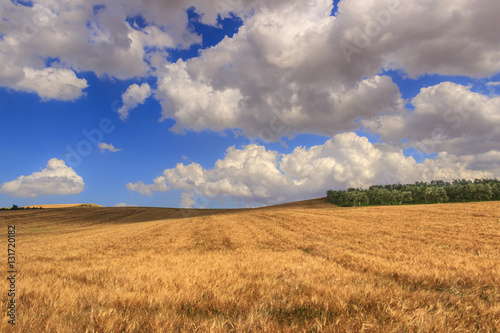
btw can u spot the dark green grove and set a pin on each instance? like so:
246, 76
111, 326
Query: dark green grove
437, 191
16, 207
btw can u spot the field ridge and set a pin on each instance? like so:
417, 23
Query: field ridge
305, 266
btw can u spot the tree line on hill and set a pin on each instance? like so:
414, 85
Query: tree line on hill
437, 191
15, 207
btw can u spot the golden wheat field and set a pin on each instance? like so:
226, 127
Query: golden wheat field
304, 267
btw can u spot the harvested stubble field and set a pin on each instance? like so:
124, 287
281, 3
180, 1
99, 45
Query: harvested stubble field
306, 267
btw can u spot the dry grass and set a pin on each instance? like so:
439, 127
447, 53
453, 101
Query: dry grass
64, 206
303, 268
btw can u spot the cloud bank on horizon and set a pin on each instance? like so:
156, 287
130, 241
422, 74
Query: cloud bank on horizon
260, 176
292, 68
56, 179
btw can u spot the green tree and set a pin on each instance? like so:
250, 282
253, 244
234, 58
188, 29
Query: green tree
372, 194
440, 194
397, 196
483, 192
430, 194
384, 196
437, 191
354, 198
351, 198
418, 193
437, 194
495, 190
470, 192
406, 197
459, 191
362, 198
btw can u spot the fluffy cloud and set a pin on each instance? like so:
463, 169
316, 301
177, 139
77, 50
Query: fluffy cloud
257, 175
187, 200
80, 36
445, 37
421, 37
158, 185
275, 112
122, 204
105, 146
283, 90
57, 178
52, 83
132, 97
486, 161
287, 69
446, 117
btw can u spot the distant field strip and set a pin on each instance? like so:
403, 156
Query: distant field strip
304, 267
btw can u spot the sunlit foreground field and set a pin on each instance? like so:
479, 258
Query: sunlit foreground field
307, 267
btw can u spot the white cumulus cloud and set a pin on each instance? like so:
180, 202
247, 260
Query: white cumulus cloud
255, 175
157, 186
122, 204
187, 200
85, 36
52, 83
107, 146
446, 117
56, 179
132, 97
286, 71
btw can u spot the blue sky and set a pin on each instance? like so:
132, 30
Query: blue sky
241, 104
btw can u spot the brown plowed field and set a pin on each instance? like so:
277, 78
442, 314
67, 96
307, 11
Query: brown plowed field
303, 267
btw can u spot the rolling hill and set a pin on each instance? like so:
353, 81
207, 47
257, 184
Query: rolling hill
305, 266
63, 206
